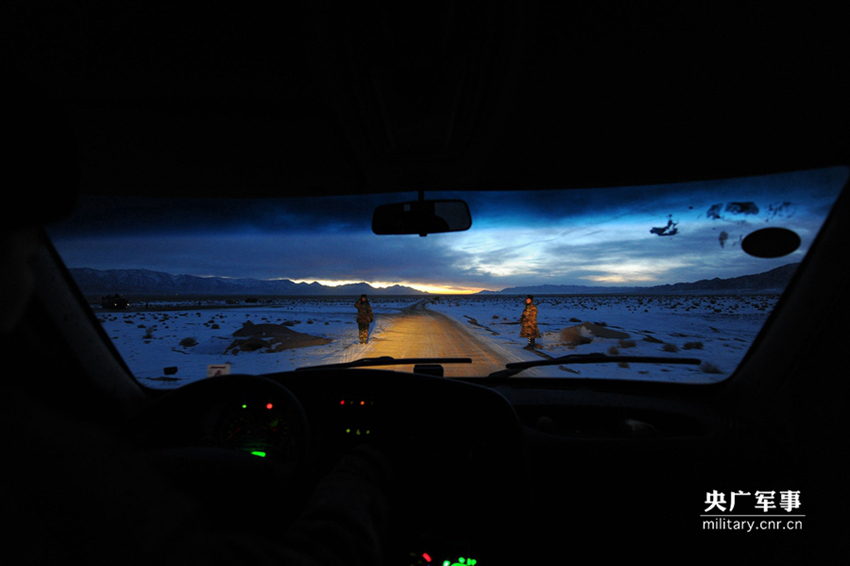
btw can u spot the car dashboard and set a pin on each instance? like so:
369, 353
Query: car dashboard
489, 473
455, 450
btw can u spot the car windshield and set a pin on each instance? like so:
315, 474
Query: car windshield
188, 288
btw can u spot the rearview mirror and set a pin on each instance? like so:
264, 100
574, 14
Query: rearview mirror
421, 217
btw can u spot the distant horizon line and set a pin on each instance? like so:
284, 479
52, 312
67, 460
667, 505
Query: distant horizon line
519, 289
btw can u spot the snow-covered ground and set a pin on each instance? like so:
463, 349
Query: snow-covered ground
716, 329
167, 345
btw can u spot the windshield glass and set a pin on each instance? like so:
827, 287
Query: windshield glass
188, 288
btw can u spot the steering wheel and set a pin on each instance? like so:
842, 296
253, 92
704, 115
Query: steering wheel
233, 422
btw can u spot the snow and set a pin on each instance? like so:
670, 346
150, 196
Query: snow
717, 329
190, 336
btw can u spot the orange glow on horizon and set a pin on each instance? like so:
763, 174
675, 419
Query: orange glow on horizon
445, 290
426, 288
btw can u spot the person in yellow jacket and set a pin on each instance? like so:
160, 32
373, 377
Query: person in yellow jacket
528, 322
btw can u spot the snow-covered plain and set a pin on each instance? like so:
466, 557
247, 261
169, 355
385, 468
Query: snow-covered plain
717, 329
168, 344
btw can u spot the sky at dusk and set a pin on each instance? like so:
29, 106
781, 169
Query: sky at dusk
601, 237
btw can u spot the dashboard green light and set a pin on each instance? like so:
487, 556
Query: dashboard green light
357, 431
259, 453
461, 562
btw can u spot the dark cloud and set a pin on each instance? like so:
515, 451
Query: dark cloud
715, 211
105, 215
780, 210
669, 230
742, 208
718, 211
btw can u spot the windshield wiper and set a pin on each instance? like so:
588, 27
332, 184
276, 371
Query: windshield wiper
514, 368
387, 361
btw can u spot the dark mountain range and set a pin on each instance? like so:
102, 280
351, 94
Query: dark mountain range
771, 281
147, 282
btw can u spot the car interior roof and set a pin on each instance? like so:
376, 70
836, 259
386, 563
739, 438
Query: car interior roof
329, 99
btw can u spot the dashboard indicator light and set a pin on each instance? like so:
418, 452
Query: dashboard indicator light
426, 556
258, 453
269, 406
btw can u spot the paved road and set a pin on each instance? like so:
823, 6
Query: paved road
417, 332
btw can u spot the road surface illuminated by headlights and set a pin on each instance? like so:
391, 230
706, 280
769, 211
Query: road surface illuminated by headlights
420, 333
